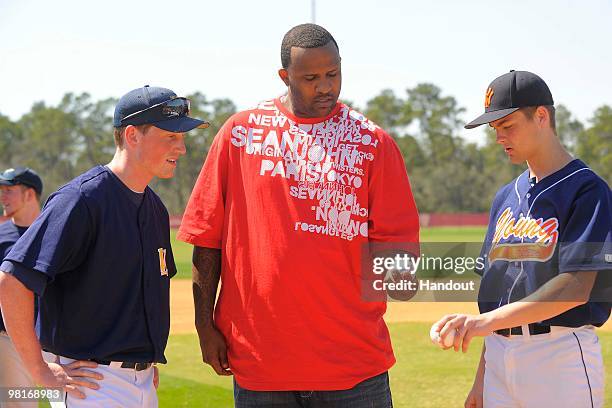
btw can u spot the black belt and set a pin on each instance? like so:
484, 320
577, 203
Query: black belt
125, 364
533, 330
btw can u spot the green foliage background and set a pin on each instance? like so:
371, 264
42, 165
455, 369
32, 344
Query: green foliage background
447, 173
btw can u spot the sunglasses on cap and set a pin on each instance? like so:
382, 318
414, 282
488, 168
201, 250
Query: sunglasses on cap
160, 112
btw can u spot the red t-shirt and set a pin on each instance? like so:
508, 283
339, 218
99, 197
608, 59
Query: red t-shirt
291, 203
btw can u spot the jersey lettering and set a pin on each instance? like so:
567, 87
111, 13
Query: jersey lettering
543, 234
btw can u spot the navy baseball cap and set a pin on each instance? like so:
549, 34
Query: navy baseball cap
155, 106
22, 175
510, 92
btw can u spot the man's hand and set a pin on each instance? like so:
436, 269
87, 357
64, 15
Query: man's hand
18, 312
155, 377
205, 274
214, 350
69, 377
397, 276
474, 398
466, 327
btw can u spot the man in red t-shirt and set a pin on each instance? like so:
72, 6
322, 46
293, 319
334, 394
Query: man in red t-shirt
291, 193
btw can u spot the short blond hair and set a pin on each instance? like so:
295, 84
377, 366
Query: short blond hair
119, 133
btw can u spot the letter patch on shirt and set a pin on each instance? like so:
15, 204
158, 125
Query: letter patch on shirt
162, 261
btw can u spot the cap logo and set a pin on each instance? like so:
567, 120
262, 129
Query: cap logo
488, 97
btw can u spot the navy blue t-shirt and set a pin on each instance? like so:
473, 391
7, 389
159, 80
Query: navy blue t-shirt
9, 234
539, 230
99, 256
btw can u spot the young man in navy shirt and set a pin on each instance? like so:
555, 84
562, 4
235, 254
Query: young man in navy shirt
20, 190
99, 257
546, 281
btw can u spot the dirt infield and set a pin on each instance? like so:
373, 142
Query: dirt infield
181, 304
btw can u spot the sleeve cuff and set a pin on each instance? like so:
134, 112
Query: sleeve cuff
30, 278
198, 241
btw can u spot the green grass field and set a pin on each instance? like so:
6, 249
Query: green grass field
453, 234
424, 375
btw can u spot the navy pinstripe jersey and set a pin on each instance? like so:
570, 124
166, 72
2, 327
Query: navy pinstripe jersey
540, 230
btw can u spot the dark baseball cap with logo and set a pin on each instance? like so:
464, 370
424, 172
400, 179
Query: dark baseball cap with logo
155, 106
22, 175
510, 92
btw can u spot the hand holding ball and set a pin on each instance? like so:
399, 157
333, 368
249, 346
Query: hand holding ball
434, 334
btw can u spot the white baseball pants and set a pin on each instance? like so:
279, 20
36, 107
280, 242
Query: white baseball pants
121, 387
560, 369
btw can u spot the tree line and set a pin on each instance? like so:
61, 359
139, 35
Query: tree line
447, 173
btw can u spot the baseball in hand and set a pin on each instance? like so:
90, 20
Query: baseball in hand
435, 337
